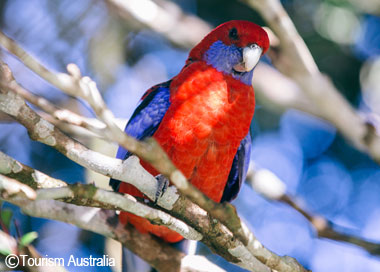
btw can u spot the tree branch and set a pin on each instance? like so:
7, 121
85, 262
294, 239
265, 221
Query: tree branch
60, 114
88, 195
91, 196
271, 187
168, 20
159, 255
296, 61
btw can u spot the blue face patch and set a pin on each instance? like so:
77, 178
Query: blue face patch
223, 58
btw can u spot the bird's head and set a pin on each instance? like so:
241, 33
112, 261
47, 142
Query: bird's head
234, 48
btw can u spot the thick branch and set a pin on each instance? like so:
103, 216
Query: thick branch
168, 19
216, 236
282, 94
81, 194
160, 255
89, 195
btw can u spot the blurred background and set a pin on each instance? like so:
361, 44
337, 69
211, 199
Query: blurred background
126, 53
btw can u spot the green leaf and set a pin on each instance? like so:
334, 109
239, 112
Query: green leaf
28, 238
6, 217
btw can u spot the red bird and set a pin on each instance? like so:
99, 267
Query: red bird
202, 117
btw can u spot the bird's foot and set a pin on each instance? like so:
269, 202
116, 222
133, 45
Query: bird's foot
162, 185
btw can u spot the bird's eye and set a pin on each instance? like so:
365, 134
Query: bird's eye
233, 34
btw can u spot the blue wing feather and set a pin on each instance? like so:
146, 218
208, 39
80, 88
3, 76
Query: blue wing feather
145, 119
238, 170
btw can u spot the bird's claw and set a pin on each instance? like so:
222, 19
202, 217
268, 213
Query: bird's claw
162, 185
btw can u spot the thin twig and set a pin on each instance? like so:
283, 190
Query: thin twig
271, 187
60, 114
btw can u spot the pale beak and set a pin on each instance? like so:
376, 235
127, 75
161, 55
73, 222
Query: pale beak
251, 56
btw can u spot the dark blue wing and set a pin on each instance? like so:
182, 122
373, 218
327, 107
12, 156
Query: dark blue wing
238, 170
145, 119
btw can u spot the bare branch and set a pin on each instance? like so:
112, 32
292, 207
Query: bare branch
65, 119
218, 237
11, 187
78, 132
270, 186
167, 19
58, 113
90, 196
283, 93
159, 255
81, 194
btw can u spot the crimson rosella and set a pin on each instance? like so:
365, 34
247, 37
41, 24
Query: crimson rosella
202, 117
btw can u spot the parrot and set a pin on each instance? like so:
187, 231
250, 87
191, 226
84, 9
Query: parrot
202, 117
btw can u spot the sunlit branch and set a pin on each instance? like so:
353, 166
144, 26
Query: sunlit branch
82, 194
88, 195
164, 17
159, 255
60, 114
